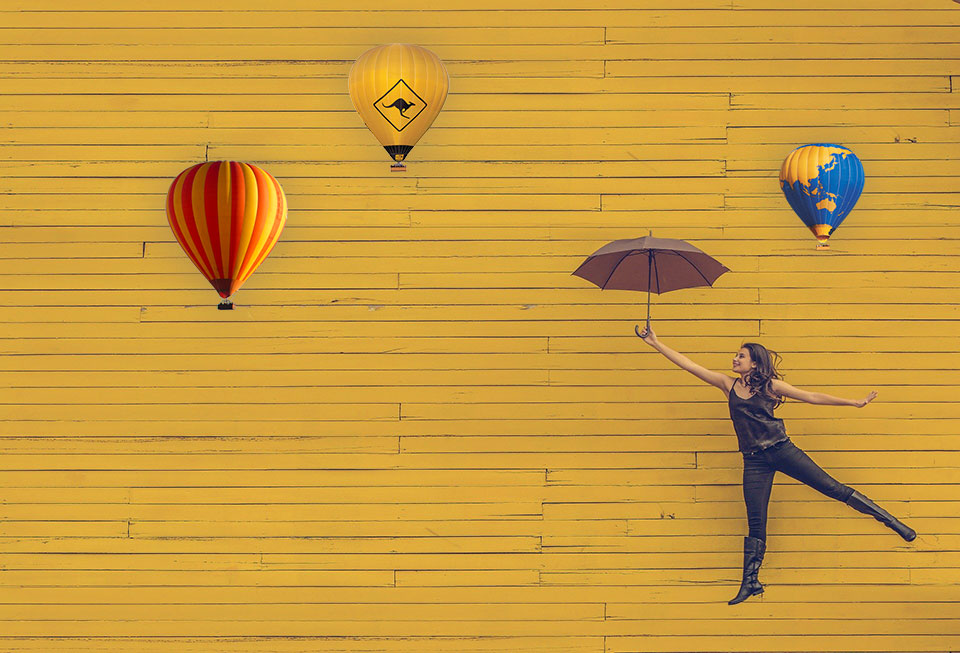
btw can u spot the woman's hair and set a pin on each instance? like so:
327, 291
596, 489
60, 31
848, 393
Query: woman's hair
760, 380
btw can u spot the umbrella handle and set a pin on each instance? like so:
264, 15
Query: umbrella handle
649, 269
636, 328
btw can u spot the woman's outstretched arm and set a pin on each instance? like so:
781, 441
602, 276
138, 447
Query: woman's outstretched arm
722, 381
787, 390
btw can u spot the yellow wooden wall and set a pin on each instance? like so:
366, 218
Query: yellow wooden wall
417, 432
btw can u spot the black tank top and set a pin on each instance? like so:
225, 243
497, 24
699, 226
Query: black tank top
754, 422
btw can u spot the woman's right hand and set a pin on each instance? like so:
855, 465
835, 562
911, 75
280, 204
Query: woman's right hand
647, 334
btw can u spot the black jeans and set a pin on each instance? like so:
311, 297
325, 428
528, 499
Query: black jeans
759, 468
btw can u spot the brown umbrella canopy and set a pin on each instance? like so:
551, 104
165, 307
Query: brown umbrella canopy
656, 265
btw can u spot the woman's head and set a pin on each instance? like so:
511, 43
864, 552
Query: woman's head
758, 367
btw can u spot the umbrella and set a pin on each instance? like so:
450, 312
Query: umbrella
653, 264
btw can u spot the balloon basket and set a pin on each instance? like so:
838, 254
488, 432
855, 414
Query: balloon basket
823, 246
225, 305
397, 167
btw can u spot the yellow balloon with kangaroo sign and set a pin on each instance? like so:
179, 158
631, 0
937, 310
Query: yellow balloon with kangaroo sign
398, 90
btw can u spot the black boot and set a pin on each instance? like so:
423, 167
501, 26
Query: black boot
753, 550
859, 502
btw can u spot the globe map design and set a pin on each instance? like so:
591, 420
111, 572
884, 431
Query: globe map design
822, 182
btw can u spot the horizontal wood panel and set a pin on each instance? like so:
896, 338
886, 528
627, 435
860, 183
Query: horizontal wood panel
637, 360
504, 82
561, 644
839, 267
523, 630
585, 45
775, 287
302, 191
714, 13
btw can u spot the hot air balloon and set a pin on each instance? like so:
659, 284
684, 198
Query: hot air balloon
398, 90
227, 216
822, 182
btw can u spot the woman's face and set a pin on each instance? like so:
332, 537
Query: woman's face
742, 362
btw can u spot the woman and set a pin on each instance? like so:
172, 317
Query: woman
766, 448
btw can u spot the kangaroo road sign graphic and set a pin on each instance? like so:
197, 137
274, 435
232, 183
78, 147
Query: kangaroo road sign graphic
400, 105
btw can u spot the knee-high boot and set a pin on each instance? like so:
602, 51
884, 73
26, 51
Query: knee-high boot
753, 550
861, 503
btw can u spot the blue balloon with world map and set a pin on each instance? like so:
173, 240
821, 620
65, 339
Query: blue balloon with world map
822, 182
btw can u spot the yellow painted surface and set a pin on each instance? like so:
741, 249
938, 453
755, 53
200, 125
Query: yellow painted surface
417, 431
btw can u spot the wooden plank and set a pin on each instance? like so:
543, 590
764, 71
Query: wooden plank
622, 13
564, 169
564, 115
17, 463
70, 250
329, 478
360, 11
639, 359
682, 337
759, 610
771, 102
133, 109
638, 477
441, 135
775, 68
507, 393
695, 187
199, 644
764, 32
791, 642
582, 45
820, 5
595, 410
677, 597
104, 27
379, 201
503, 82
330, 612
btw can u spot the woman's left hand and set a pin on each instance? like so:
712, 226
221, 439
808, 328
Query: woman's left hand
870, 397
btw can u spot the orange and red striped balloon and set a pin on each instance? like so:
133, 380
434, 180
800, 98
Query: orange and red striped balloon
227, 216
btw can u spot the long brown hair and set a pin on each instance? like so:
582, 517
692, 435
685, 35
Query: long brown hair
760, 380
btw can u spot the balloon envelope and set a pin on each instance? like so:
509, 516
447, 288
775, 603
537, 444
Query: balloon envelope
398, 90
822, 182
227, 216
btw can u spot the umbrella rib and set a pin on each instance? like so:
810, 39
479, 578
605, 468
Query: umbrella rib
656, 272
695, 268
614, 269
